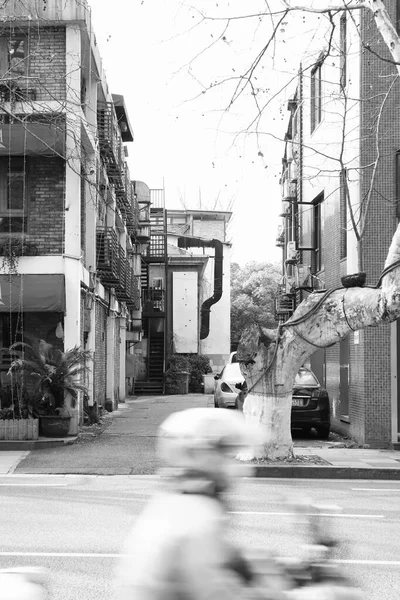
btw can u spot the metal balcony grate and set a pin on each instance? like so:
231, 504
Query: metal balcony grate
107, 253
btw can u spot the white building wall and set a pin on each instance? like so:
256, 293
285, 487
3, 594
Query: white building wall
185, 310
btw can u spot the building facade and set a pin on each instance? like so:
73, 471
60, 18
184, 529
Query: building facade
70, 225
340, 192
185, 290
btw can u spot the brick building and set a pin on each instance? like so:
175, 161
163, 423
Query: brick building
342, 150
69, 217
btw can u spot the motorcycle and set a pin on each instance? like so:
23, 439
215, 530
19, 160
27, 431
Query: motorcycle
313, 576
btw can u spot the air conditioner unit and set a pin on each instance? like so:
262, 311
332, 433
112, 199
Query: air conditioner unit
291, 250
158, 282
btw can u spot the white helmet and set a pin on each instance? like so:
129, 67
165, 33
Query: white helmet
187, 438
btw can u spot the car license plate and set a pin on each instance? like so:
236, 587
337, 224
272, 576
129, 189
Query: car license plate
297, 402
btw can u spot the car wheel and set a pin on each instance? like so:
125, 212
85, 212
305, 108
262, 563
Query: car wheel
323, 432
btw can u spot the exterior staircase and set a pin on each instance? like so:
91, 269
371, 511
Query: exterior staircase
155, 384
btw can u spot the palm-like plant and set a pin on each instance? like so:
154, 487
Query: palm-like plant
53, 372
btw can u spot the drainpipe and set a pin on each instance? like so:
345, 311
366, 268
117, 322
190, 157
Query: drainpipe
190, 242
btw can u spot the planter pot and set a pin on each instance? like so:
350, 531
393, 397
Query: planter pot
19, 429
209, 382
74, 422
54, 426
354, 280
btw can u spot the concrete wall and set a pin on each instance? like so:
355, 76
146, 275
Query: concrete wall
185, 311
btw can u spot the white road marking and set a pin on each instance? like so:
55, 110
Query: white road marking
340, 515
33, 484
376, 489
394, 563
63, 554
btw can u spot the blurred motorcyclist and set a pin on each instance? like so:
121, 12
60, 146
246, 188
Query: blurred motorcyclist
22, 583
178, 547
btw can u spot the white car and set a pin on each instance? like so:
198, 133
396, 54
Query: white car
225, 391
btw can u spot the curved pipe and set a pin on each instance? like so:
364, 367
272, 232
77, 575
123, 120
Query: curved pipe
190, 242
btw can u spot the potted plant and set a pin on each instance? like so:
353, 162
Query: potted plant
177, 371
54, 378
199, 366
17, 421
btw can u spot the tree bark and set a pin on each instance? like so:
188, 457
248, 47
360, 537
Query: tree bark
270, 359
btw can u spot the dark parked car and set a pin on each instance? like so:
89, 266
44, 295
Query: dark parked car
310, 404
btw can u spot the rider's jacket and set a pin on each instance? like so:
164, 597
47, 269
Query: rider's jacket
178, 550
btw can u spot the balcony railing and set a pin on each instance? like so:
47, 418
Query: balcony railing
284, 307
108, 256
134, 300
122, 288
111, 146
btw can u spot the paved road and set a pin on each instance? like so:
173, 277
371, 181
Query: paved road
74, 526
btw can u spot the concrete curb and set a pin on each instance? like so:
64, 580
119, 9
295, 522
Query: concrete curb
326, 472
39, 444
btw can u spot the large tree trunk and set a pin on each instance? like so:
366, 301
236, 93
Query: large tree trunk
270, 359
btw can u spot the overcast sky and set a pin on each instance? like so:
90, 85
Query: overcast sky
184, 134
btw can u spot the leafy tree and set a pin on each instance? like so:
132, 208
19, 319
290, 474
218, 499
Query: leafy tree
253, 290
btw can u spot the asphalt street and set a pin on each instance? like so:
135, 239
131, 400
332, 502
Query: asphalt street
74, 526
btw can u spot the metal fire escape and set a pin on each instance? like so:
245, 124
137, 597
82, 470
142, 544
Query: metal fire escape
153, 283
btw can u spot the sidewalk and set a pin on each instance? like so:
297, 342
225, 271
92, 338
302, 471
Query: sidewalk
127, 447
338, 463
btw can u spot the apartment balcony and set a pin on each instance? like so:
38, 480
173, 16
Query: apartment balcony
13, 90
132, 215
29, 138
134, 301
143, 234
111, 147
55, 10
122, 287
284, 306
108, 256
153, 302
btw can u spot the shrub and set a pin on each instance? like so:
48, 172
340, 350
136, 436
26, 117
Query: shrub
195, 364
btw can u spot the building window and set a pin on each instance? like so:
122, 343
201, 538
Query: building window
343, 51
13, 54
343, 214
317, 233
316, 96
13, 194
